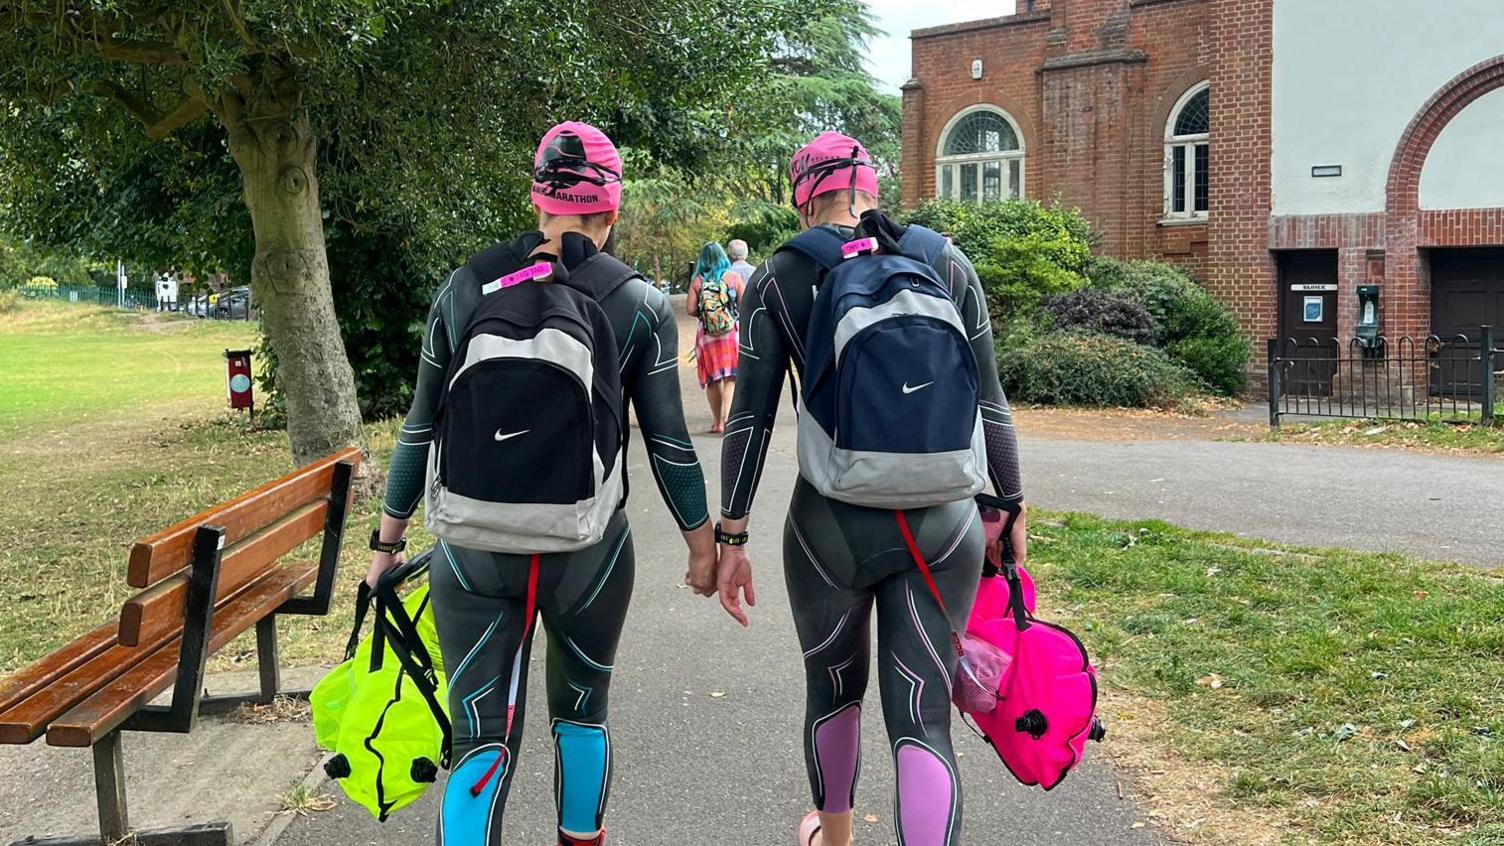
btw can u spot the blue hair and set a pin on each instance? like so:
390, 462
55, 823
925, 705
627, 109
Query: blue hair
712, 263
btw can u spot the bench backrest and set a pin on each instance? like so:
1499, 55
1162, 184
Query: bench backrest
259, 528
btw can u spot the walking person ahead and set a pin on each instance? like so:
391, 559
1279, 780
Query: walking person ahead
715, 294
532, 352
901, 420
736, 250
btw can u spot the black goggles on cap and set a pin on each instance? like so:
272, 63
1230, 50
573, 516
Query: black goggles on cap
562, 170
824, 170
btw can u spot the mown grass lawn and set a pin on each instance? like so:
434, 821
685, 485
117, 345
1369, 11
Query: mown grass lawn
1327, 696
63, 364
1361, 696
1436, 437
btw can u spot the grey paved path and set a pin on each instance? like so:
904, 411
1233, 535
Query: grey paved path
1431, 506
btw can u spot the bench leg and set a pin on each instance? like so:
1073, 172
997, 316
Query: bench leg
266, 659
109, 788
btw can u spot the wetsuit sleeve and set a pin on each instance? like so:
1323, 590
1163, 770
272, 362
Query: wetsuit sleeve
997, 417
404, 485
762, 361
654, 393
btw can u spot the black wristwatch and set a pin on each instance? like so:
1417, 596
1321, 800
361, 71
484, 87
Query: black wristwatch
392, 548
738, 539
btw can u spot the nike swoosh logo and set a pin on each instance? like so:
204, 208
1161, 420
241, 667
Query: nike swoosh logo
500, 437
909, 390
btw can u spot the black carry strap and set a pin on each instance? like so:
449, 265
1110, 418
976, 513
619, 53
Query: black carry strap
394, 627
1010, 563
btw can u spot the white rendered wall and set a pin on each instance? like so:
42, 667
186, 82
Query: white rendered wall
1465, 169
1348, 77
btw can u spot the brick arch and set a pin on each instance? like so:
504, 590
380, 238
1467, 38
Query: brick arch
1403, 191
1170, 94
998, 99
1408, 282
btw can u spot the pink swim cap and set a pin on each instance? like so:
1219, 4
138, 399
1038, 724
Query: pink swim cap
829, 163
576, 171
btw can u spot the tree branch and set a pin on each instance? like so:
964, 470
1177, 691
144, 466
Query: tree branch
190, 110
141, 52
134, 105
158, 125
238, 23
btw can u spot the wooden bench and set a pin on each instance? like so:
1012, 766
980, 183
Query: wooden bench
204, 582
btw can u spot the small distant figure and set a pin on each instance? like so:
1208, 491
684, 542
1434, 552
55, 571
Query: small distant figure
715, 294
737, 250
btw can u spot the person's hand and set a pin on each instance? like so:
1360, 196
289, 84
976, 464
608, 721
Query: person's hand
381, 562
701, 574
734, 580
1019, 537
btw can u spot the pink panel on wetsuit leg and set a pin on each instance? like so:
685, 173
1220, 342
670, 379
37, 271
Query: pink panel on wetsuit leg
925, 797
838, 742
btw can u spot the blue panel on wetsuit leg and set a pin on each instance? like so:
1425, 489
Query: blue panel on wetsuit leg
583, 752
466, 818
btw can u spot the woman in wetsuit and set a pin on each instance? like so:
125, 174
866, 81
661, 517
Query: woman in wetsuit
841, 560
479, 597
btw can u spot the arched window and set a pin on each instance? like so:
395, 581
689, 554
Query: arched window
980, 158
1187, 155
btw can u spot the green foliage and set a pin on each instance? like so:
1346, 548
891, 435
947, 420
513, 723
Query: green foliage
21, 260
424, 127
1079, 368
1195, 329
1023, 251
815, 80
666, 218
1092, 310
764, 226
39, 286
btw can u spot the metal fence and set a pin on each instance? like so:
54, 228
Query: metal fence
227, 306
92, 296
1451, 379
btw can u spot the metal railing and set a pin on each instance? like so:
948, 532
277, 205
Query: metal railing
89, 295
1452, 379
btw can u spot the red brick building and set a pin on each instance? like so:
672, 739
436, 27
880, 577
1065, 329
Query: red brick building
1285, 151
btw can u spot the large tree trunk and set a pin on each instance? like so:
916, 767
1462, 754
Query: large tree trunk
274, 146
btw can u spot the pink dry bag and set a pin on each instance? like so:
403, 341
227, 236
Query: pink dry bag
1027, 685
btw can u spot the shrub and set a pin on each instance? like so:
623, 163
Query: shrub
1194, 328
9, 301
1103, 312
1023, 251
1081, 368
40, 286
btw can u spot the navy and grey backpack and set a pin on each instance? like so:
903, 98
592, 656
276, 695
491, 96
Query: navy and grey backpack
890, 416
529, 436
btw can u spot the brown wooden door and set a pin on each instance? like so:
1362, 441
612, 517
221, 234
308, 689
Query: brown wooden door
1467, 293
1308, 321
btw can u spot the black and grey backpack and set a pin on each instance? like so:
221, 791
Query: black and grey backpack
530, 433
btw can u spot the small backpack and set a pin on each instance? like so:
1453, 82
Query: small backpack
890, 414
717, 313
529, 436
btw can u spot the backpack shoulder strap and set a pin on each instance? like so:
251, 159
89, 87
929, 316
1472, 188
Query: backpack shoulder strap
600, 275
819, 244
923, 245
491, 263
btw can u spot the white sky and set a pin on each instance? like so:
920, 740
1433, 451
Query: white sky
888, 56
